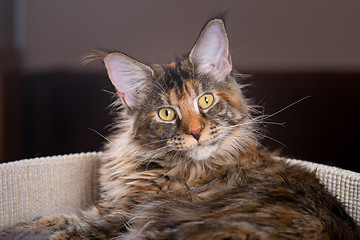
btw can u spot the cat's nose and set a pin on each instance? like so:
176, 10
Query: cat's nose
196, 133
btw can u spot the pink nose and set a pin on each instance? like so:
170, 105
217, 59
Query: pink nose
196, 131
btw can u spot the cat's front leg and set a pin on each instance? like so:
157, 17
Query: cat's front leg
90, 225
52, 227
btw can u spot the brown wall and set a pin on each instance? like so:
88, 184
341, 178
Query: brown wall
277, 35
293, 48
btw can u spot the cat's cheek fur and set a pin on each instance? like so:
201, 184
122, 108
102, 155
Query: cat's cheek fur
237, 140
163, 131
220, 112
148, 130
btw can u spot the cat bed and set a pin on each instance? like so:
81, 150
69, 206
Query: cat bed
68, 184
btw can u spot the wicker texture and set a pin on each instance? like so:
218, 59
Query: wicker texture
44, 186
67, 184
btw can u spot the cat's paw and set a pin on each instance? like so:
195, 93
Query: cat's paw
47, 228
26, 235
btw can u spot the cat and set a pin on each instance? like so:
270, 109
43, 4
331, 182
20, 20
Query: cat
185, 162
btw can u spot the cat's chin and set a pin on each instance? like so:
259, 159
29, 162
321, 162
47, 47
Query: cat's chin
202, 152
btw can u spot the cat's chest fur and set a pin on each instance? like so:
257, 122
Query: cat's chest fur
134, 183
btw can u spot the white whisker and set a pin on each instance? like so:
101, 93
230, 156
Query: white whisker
100, 134
283, 109
158, 141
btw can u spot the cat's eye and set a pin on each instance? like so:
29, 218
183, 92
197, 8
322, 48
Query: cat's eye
206, 100
167, 114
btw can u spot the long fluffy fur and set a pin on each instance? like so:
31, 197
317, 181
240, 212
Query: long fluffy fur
161, 180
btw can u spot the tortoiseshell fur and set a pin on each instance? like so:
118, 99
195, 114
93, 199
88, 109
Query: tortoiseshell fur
200, 175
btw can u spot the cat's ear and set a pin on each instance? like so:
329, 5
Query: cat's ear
210, 53
128, 76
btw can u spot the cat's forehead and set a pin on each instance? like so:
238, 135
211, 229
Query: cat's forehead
190, 90
180, 82
176, 74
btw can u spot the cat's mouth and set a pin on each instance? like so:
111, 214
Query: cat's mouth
201, 152
197, 149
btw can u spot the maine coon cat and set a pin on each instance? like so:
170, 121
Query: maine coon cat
185, 163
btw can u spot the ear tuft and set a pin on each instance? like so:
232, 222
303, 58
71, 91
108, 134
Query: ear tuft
210, 53
128, 76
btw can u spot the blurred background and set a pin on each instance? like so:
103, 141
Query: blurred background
50, 105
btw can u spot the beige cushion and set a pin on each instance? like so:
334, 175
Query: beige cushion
66, 184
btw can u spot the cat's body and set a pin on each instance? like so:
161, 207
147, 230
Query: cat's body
184, 163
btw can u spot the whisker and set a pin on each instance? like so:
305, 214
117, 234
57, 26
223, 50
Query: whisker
159, 152
283, 109
158, 141
275, 123
99, 134
176, 153
273, 139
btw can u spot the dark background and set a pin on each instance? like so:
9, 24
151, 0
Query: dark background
50, 105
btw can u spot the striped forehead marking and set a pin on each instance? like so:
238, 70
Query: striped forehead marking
175, 75
186, 95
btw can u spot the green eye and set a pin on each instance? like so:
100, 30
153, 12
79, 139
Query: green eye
206, 100
167, 114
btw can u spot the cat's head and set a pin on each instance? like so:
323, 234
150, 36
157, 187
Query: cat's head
192, 107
